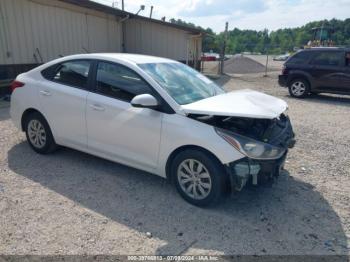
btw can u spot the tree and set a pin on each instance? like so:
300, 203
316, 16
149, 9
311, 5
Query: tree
279, 41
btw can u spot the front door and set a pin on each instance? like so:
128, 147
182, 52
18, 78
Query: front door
117, 130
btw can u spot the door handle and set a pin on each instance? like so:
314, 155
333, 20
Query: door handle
45, 93
97, 107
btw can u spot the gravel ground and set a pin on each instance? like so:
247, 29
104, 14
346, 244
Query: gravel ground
73, 203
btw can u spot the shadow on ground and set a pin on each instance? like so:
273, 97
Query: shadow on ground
287, 218
222, 80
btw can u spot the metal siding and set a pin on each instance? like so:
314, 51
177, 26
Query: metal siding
55, 28
28, 31
3, 45
154, 39
9, 36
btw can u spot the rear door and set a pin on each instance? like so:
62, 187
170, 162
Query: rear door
63, 95
327, 70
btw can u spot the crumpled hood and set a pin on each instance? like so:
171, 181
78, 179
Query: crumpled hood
241, 103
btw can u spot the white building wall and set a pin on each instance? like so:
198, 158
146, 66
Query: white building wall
49, 28
145, 37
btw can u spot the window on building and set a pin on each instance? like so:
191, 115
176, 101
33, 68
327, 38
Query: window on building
328, 58
73, 73
119, 82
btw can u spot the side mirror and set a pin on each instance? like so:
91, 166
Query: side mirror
144, 101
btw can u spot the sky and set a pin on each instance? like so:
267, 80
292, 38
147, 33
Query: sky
243, 14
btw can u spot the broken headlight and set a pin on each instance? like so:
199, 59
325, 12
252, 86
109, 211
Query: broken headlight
250, 147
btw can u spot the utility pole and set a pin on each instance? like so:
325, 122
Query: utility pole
123, 5
150, 14
267, 60
222, 58
267, 47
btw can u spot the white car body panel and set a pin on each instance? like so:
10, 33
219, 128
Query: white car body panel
124, 132
178, 131
24, 98
241, 103
139, 137
68, 119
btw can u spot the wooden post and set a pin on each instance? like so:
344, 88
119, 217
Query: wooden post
267, 60
223, 50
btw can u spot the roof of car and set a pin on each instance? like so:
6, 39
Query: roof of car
327, 49
133, 58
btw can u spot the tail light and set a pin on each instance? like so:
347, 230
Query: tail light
15, 84
284, 70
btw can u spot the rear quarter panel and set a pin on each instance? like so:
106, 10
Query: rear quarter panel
24, 98
296, 71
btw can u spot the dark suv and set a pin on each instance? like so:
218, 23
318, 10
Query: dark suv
317, 70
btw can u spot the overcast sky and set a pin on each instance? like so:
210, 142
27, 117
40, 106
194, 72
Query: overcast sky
243, 14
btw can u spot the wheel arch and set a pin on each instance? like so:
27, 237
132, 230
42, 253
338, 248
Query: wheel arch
181, 149
28, 112
299, 75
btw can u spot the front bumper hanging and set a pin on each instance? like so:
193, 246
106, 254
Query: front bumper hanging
256, 171
281, 134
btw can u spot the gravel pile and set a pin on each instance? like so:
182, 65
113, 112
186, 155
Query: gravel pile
242, 65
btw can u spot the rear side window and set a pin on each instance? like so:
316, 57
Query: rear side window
328, 58
300, 58
73, 73
119, 82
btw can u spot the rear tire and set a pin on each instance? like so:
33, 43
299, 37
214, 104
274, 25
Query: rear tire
199, 177
39, 135
299, 88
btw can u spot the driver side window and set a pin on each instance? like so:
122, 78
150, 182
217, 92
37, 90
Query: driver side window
120, 82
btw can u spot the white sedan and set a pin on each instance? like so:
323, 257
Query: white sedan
157, 115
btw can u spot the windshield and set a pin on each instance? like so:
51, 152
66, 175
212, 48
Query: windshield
184, 84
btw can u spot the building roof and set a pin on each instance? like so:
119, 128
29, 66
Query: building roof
114, 11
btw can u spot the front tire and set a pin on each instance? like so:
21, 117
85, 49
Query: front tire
39, 135
199, 177
299, 88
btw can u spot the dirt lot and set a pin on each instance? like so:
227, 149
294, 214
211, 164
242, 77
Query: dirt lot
74, 203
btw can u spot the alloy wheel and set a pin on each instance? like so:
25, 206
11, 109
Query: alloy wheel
298, 88
36, 133
194, 179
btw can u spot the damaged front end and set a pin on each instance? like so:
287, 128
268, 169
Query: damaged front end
264, 142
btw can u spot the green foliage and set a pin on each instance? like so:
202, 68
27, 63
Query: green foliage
275, 42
